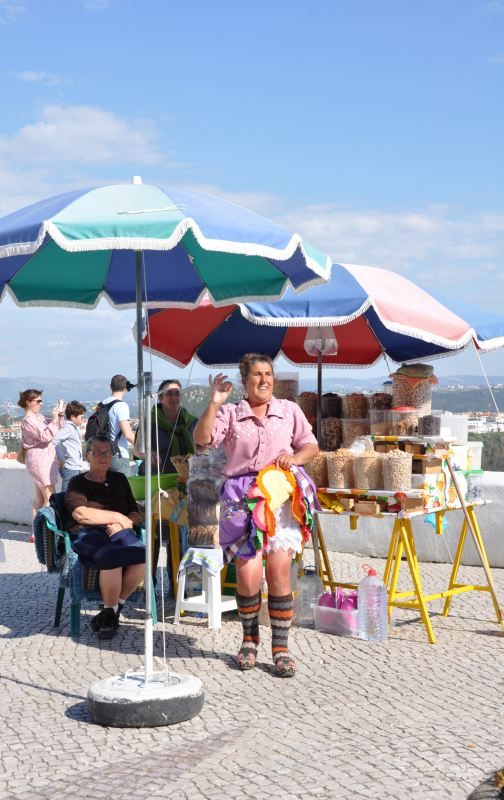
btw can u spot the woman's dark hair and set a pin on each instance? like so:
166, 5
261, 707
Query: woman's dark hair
74, 409
249, 359
166, 383
27, 396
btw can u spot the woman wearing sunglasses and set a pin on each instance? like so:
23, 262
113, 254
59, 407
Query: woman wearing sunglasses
175, 426
37, 437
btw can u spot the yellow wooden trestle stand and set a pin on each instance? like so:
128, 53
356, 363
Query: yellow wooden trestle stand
402, 543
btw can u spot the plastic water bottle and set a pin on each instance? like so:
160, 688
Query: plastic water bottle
309, 589
372, 608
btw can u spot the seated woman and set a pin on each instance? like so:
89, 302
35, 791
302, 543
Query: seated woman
175, 426
104, 511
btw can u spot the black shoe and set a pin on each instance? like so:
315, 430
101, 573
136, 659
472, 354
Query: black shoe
106, 623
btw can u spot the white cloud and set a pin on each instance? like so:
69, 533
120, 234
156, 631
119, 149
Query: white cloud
85, 135
499, 59
46, 78
11, 10
438, 246
495, 7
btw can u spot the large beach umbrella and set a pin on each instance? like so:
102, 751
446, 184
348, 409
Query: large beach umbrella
77, 247
137, 245
358, 316
371, 312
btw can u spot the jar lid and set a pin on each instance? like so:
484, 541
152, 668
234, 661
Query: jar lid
405, 409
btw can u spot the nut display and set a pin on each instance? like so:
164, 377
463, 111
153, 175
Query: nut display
308, 403
416, 392
368, 470
404, 421
430, 425
352, 429
355, 406
397, 471
286, 388
316, 468
340, 469
332, 431
380, 422
331, 405
380, 401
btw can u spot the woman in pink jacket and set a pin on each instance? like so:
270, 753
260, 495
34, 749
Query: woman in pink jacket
37, 436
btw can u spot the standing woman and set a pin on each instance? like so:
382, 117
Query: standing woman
258, 432
174, 432
37, 437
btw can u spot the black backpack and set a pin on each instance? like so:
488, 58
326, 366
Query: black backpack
98, 424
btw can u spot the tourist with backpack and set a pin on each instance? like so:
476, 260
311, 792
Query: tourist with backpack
112, 419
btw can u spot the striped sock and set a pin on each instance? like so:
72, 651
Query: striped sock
280, 613
248, 609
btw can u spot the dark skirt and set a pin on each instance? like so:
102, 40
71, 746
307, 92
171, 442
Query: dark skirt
97, 549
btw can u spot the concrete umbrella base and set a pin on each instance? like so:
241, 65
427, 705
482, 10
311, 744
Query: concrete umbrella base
128, 701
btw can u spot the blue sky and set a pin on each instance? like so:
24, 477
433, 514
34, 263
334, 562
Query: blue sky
373, 129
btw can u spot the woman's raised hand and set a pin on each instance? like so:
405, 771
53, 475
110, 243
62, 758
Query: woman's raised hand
220, 388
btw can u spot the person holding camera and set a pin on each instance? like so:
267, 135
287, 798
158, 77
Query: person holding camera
120, 430
37, 436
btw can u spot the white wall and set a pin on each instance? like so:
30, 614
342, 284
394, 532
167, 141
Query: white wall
371, 538
16, 493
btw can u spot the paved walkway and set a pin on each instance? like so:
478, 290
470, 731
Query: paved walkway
400, 719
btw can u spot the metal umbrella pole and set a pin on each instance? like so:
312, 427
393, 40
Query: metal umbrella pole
146, 698
482, 558
319, 397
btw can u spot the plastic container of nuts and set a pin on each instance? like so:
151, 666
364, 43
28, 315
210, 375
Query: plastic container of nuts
380, 401
352, 429
368, 470
397, 468
331, 433
331, 405
355, 406
380, 422
308, 403
286, 386
404, 421
340, 469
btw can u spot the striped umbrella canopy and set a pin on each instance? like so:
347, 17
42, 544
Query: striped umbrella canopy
372, 312
80, 246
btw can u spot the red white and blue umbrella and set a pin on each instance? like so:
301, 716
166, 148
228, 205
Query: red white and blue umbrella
372, 312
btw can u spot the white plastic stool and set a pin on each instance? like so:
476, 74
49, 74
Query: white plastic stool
210, 601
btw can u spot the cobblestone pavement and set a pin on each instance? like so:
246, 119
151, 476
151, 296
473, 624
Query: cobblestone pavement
399, 719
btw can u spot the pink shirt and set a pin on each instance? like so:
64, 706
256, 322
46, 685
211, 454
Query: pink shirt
251, 443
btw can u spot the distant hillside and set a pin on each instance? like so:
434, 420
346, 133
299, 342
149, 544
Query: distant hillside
90, 391
467, 399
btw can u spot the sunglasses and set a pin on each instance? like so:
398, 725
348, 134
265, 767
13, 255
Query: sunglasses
171, 393
38, 401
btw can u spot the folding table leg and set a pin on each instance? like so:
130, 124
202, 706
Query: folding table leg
455, 568
406, 537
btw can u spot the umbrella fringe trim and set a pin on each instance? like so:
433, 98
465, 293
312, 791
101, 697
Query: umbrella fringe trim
302, 322
141, 243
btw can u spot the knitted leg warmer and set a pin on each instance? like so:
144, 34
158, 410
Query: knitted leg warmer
280, 613
248, 609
